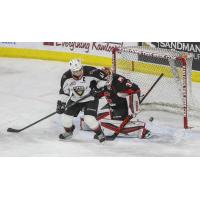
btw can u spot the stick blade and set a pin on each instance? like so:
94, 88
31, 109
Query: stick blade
13, 130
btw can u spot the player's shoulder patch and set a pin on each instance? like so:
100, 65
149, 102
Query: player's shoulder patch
94, 72
88, 70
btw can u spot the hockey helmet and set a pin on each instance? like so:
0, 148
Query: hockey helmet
76, 68
109, 75
107, 71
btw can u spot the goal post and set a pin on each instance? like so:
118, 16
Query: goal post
143, 64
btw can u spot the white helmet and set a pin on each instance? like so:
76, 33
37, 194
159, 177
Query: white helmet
76, 68
75, 65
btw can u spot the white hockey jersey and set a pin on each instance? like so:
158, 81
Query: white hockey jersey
76, 89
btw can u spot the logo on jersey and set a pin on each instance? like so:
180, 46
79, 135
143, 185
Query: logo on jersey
79, 90
73, 83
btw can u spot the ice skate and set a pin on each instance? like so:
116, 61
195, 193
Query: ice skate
64, 136
101, 137
68, 133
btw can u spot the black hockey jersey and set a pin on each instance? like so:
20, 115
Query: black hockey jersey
123, 85
120, 85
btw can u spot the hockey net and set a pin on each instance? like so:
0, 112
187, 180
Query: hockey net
173, 93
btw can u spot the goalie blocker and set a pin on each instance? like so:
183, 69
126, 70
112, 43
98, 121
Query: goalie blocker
122, 101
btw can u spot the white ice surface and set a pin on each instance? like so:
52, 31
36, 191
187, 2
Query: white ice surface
28, 92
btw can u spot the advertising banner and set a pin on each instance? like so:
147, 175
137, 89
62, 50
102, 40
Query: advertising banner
191, 47
92, 48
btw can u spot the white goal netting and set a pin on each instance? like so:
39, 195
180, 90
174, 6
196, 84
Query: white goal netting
173, 93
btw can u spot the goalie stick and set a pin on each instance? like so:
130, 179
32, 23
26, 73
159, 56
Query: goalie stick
129, 117
19, 130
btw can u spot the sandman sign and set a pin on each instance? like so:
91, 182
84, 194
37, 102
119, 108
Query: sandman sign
79, 90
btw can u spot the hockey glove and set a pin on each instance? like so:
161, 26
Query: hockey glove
60, 107
95, 92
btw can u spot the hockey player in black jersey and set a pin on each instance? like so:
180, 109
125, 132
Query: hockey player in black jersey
123, 97
75, 84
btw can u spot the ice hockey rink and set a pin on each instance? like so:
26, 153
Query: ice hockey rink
29, 91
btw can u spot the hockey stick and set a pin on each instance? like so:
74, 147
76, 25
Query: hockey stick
19, 130
129, 117
151, 88
118, 130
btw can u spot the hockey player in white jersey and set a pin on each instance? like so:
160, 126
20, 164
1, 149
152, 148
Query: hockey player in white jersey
75, 84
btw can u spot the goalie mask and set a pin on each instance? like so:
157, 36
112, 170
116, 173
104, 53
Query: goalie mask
76, 69
107, 71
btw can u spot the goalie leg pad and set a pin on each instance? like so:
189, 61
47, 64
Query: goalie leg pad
133, 104
142, 132
133, 128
